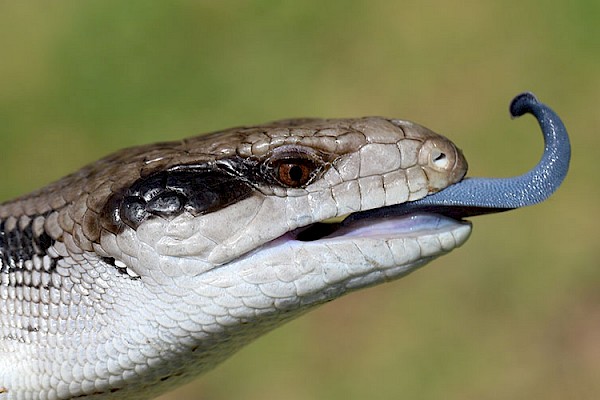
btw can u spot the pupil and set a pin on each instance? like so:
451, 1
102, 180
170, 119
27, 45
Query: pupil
296, 173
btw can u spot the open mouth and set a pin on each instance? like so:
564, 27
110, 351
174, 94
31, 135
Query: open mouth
437, 221
388, 221
470, 196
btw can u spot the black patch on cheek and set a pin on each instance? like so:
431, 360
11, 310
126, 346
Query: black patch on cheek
194, 189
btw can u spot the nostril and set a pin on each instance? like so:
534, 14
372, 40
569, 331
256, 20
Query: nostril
438, 154
442, 162
439, 158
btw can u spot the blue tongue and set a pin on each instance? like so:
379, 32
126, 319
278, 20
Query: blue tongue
498, 194
476, 196
452, 211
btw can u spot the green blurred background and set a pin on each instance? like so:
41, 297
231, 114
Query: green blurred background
514, 314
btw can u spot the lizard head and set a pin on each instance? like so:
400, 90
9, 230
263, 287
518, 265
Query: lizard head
249, 188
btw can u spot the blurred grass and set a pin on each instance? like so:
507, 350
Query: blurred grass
514, 314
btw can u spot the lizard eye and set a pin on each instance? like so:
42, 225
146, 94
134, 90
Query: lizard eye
294, 172
294, 167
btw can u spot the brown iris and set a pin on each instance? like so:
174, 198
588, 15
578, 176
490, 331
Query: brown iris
294, 172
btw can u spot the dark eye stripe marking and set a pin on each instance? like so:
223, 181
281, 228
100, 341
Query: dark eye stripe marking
196, 189
208, 187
